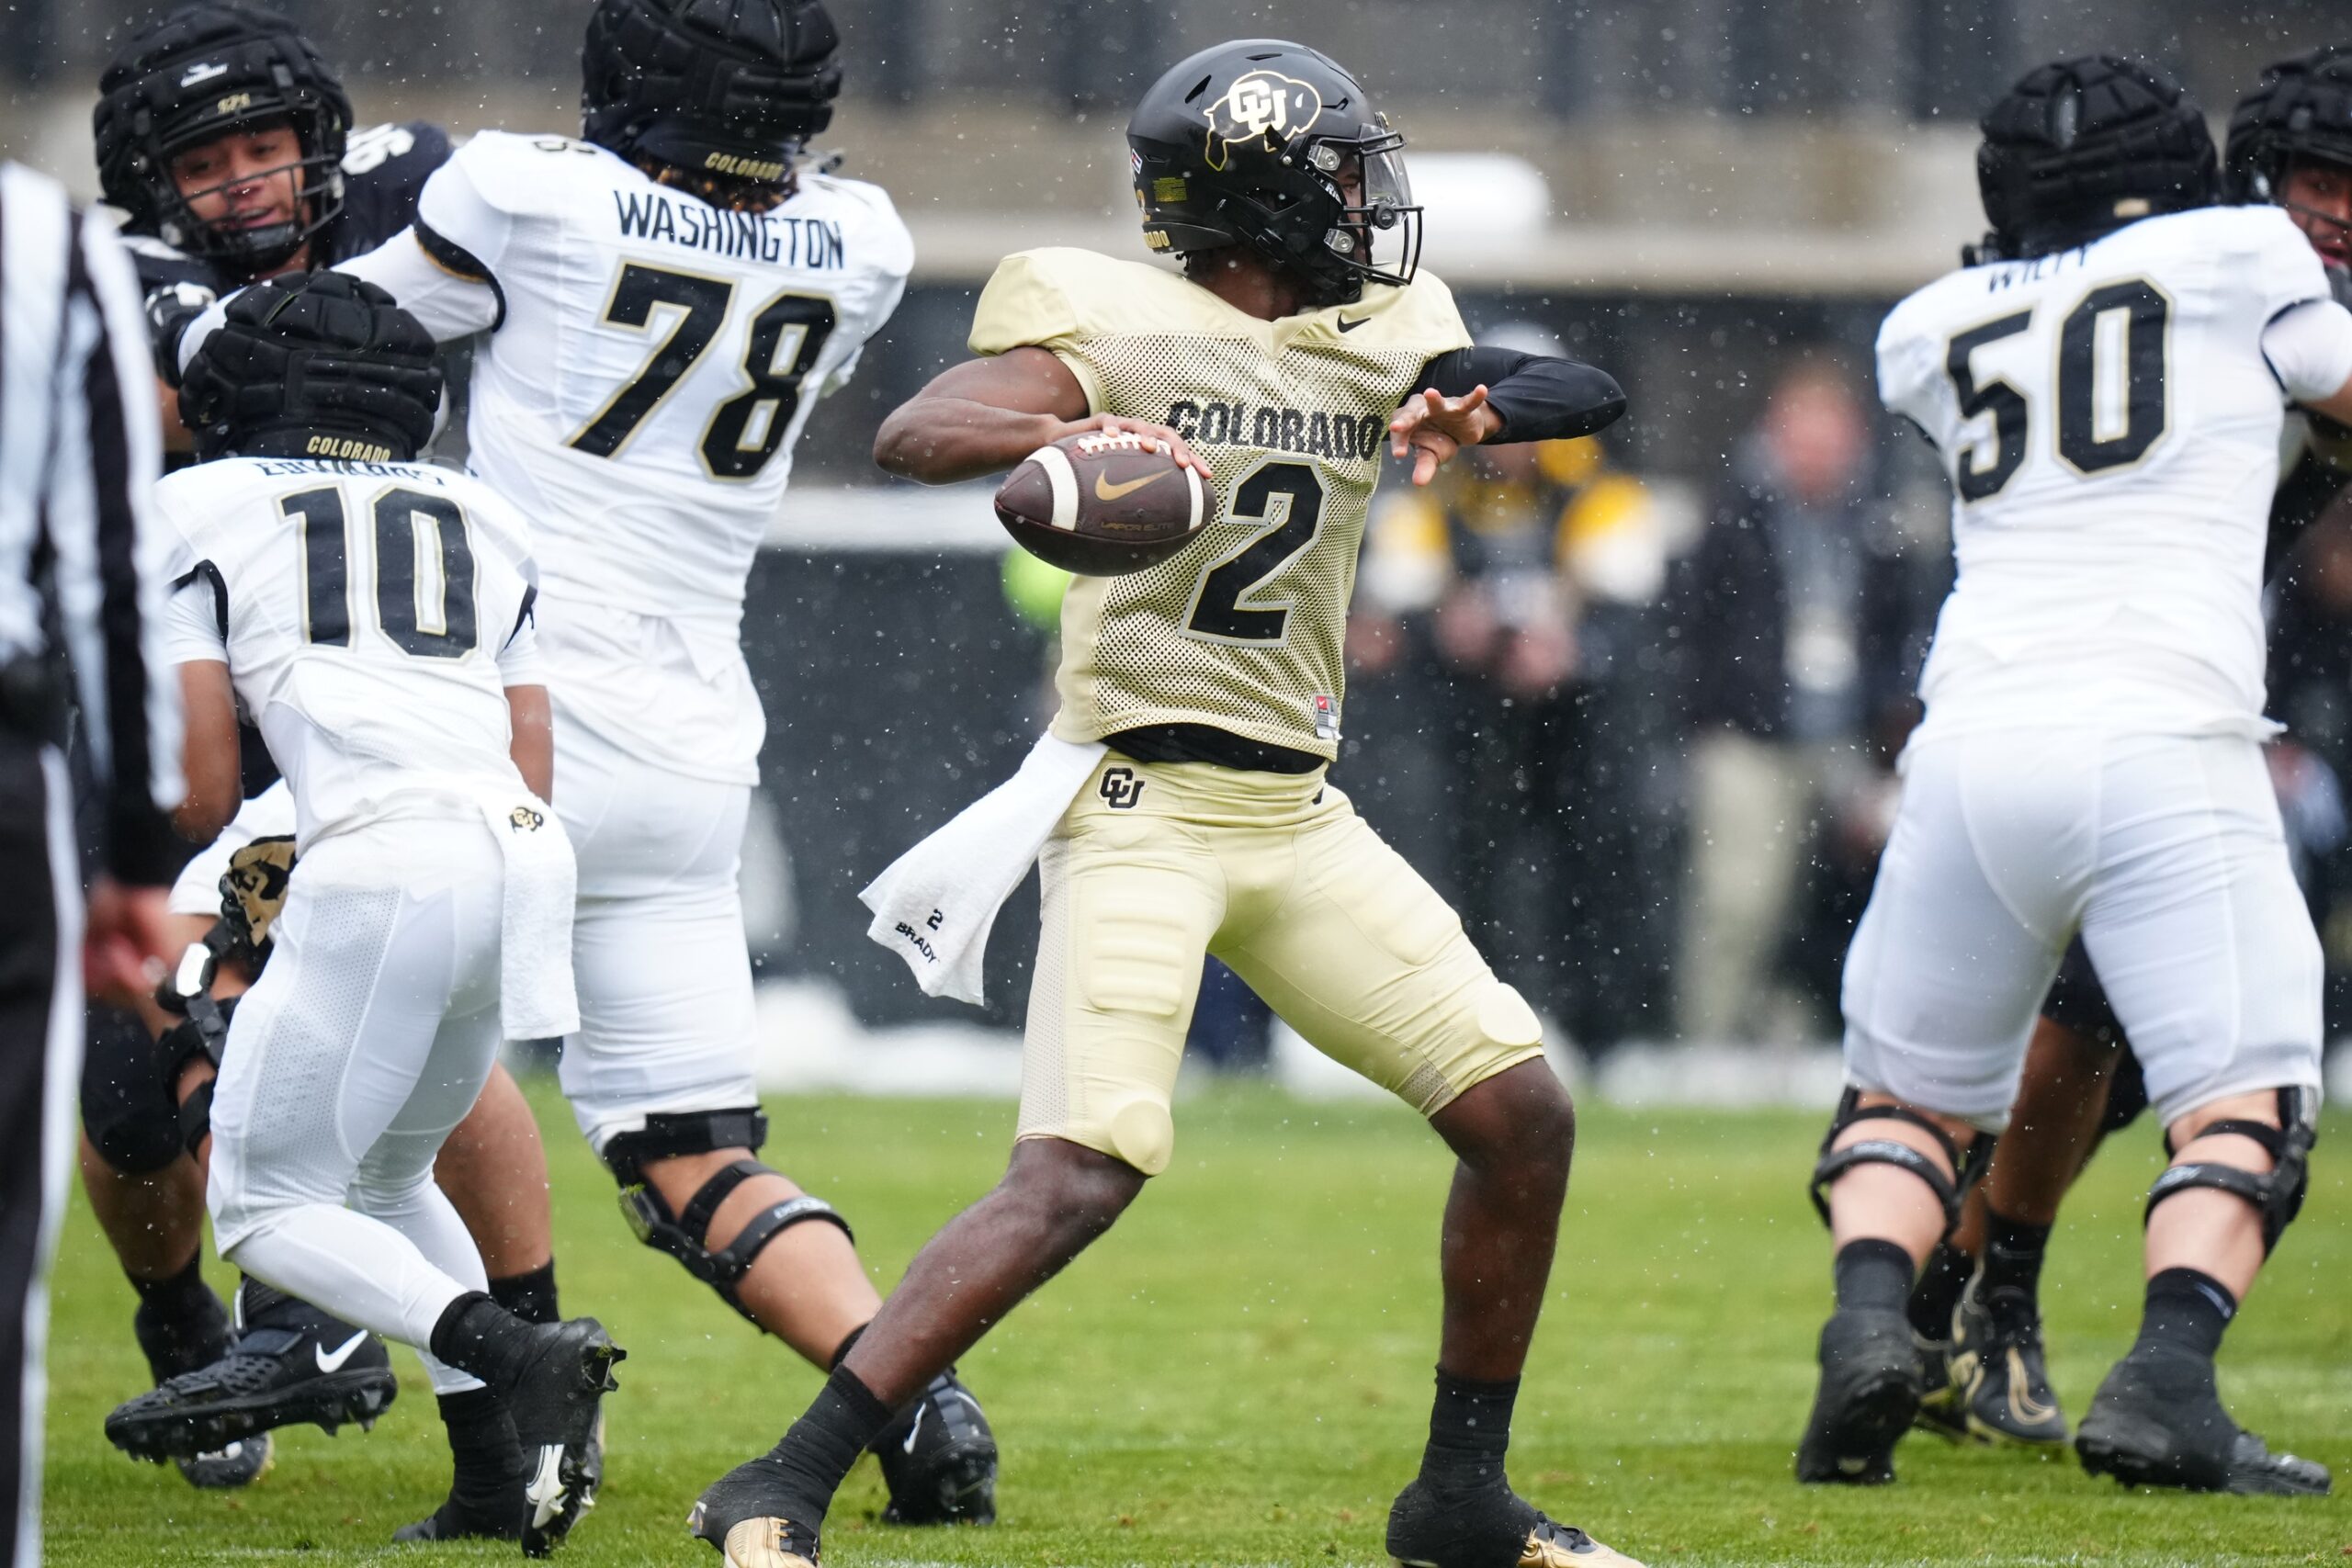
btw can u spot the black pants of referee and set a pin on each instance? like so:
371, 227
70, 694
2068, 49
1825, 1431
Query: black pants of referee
40, 1032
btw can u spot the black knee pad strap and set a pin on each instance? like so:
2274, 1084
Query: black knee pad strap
686, 1236
669, 1134
2277, 1195
1949, 1189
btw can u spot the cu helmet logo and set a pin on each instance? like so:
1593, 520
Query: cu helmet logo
1261, 102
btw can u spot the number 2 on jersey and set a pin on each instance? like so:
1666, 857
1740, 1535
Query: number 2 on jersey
2113, 349
780, 348
1288, 498
422, 543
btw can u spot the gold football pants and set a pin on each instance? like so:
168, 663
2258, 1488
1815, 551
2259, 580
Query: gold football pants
1157, 863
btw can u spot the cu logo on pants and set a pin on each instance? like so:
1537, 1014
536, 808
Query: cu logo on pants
1122, 788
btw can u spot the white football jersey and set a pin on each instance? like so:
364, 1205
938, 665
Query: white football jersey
653, 361
2112, 432
371, 614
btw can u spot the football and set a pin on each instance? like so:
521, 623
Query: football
1102, 503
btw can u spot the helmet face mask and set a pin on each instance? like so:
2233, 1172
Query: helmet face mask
203, 220
1271, 147
2291, 144
208, 71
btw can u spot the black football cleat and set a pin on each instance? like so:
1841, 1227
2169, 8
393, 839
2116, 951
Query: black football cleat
1495, 1529
1997, 1371
459, 1519
747, 1517
241, 1463
2157, 1421
290, 1364
555, 1401
1869, 1395
175, 1345
939, 1460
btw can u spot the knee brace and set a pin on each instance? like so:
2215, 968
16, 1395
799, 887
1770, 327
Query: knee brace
2278, 1196
684, 1235
1949, 1190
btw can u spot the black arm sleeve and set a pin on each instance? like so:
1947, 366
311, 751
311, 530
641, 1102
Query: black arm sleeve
2306, 492
1539, 399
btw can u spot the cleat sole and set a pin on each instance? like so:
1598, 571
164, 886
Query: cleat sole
327, 1403
1878, 1412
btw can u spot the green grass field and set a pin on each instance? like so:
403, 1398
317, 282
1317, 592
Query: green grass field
1239, 1374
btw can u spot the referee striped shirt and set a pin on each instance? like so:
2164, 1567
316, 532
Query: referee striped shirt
79, 450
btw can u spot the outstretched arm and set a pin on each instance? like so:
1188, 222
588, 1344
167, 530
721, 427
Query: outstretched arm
985, 416
1473, 396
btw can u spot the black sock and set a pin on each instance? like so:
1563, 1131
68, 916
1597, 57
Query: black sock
530, 1296
478, 1336
2186, 1315
1469, 1434
486, 1456
1873, 1273
1938, 1291
177, 1296
2013, 1252
822, 1445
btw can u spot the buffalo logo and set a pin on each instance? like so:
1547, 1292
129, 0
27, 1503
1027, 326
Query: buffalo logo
523, 820
1261, 103
1122, 788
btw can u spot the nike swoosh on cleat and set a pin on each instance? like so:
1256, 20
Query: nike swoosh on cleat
1105, 491
332, 1362
546, 1489
916, 1430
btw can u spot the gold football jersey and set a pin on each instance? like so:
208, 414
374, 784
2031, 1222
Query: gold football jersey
1243, 629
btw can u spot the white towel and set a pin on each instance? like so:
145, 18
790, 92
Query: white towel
935, 904
536, 999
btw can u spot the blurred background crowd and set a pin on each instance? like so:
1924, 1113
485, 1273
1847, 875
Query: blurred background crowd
1633, 705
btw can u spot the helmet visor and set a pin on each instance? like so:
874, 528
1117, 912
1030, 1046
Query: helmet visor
1379, 231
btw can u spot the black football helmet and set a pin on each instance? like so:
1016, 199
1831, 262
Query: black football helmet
203, 70
318, 364
2301, 109
2080, 148
1275, 146
733, 88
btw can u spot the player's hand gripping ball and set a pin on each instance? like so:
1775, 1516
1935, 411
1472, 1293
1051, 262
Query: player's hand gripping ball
1103, 503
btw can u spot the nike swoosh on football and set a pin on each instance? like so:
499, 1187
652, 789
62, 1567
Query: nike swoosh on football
332, 1361
1347, 326
1105, 491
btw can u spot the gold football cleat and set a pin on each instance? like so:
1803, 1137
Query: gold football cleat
764, 1543
1551, 1545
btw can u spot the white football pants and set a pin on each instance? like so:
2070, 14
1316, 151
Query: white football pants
658, 948
2165, 851
367, 1039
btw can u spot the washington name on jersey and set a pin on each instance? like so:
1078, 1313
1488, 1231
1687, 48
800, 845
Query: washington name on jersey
2111, 431
371, 614
1241, 631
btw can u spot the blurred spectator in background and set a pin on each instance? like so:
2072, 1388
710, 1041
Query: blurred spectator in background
1514, 586
1795, 620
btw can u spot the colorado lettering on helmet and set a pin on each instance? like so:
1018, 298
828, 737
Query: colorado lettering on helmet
743, 168
813, 243
1343, 438
347, 448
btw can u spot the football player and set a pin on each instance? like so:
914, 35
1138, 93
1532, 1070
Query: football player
2291, 143
2101, 384
225, 139
1276, 362
660, 305
375, 617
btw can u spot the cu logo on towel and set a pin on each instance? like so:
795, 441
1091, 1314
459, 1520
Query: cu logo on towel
1122, 788
523, 819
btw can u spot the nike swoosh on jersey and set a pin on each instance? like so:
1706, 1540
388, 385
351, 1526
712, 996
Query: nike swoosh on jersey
1105, 491
1347, 326
332, 1362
